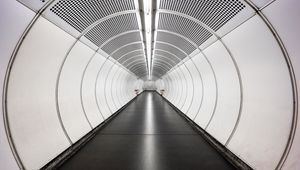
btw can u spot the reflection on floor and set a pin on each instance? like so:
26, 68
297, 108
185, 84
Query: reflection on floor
147, 135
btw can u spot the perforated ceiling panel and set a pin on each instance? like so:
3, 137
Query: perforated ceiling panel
176, 41
158, 70
178, 32
121, 41
137, 62
133, 59
112, 27
171, 49
139, 69
80, 14
159, 52
130, 54
213, 13
120, 55
119, 35
180, 25
165, 59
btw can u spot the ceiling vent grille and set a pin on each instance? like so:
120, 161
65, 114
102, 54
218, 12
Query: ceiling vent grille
82, 13
180, 25
164, 58
133, 59
138, 67
159, 70
125, 50
134, 53
214, 13
140, 72
111, 27
176, 40
170, 49
121, 41
158, 53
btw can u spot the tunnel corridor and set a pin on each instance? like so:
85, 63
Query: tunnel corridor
148, 134
149, 84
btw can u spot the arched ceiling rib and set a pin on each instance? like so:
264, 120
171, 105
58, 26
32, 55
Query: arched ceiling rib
141, 70
103, 31
116, 28
180, 25
138, 67
135, 63
132, 60
119, 36
130, 54
81, 14
171, 24
175, 40
163, 62
121, 41
212, 13
167, 47
164, 58
132, 47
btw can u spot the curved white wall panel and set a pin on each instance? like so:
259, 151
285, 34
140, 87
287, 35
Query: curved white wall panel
174, 86
14, 19
267, 101
228, 92
121, 91
116, 85
241, 88
179, 83
125, 88
176, 89
209, 93
197, 92
100, 88
188, 90
264, 123
108, 89
183, 82
88, 90
261, 3
33, 118
178, 86
283, 15
167, 81
69, 98
131, 87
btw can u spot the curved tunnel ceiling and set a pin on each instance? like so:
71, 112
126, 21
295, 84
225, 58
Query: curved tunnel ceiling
117, 29
112, 27
229, 66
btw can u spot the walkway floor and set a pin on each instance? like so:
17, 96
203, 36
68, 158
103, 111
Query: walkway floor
147, 135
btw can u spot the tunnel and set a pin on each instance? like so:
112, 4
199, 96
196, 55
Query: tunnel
149, 84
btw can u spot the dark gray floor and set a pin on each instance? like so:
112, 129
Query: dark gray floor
147, 135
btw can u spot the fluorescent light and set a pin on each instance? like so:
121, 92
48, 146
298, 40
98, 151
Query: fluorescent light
139, 24
155, 35
157, 4
155, 32
136, 4
148, 30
